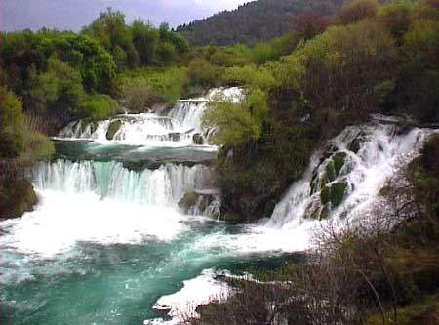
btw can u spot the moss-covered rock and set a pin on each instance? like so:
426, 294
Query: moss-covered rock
16, 198
333, 193
331, 173
325, 195
193, 202
188, 201
339, 160
338, 191
112, 129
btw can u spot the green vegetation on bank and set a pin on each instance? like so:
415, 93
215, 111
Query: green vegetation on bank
20, 147
384, 271
307, 84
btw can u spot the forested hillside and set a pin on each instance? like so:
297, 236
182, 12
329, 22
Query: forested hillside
258, 21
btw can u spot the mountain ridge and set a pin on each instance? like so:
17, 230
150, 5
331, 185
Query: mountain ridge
255, 21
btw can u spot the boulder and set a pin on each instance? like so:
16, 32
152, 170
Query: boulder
112, 129
175, 137
196, 203
197, 138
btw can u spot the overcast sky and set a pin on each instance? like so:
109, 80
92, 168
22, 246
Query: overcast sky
73, 14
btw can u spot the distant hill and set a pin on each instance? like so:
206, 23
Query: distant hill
255, 21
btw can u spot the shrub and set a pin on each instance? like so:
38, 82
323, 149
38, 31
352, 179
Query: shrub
11, 124
99, 107
358, 10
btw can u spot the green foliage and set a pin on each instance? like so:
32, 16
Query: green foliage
96, 66
98, 107
255, 21
137, 94
396, 17
11, 125
419, 78
203, 73
115, 36
235, 122
249, 75
166, 84
357, 10
145, 40
425, 175
238, 123
355, 58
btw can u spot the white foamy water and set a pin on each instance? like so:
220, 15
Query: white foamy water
64, 219
200, 290
177, 128
107, 204
161, 187
382, 152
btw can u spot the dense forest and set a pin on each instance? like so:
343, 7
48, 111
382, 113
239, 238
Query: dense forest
314, 74
259, 21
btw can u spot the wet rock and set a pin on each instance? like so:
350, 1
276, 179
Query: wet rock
339, 160
195, 202
333, 193
175, 137
355, 146
112, 129
197, 139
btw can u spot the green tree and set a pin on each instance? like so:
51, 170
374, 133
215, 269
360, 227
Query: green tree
112, 32
357, 10
11, 124
396, 17
145, 40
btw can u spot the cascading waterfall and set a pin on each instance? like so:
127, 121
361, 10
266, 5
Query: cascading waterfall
106, 241
163, 187
344, 180
178, 127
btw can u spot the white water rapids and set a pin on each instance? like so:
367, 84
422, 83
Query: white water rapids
92, 206
176, 128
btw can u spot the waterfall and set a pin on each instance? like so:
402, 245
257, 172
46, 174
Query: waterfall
162, 187
182, 126
343, 181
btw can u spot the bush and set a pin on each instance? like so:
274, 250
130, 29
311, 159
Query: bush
167, 84
16, 197
99, 107
203, 73
358, 10
11, 124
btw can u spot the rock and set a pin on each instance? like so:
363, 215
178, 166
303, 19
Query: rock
162, 309
338, 193
232, 218
112, 129
325, 195
333, 193
175, 137
16, 198
196, 203
355, 146
339, 160
198, 138
331, 173
188, 201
